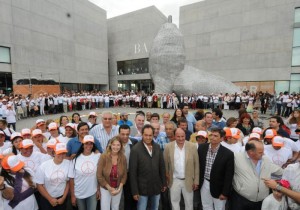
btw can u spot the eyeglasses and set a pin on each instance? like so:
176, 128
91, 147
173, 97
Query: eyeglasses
107, 118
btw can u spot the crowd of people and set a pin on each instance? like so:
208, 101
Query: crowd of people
191, 161
16, 107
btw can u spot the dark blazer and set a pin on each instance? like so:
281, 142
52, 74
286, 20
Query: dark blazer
222, 171
147, 174
133, 141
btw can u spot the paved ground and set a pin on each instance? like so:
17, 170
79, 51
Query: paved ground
29, 122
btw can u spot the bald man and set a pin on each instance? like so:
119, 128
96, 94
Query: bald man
182, 169
251, 169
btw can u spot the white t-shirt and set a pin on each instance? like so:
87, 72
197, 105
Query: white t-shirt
84, 174
36, 149
53, 176
288, 143
278, 157
5, 146
292, 174
28, 203
270, 203
233, 147
35, 160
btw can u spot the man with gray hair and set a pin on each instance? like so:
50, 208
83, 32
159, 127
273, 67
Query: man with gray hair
251, 169
104, 131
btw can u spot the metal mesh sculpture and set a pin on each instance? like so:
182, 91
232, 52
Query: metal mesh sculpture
166, 58
169, 72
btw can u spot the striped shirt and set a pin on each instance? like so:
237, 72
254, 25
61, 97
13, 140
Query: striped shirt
102, 136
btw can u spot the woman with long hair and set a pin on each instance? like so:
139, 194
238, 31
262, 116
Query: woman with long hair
63, 121
20, 181
112, 174
76, 118
16, 140
245, 124
177, 115
75, 143
293, 122
70, 131
83, 180
52, 180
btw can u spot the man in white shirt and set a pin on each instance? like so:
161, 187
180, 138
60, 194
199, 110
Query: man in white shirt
105, 131
182, 169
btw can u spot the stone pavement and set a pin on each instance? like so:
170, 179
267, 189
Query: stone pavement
30, 122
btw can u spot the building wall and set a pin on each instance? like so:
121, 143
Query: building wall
248, 40
130, 36
45, 43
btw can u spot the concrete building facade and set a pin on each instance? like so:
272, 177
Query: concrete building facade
253, 42
130, 38
60, 40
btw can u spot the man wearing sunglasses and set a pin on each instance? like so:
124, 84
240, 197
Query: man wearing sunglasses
104, 131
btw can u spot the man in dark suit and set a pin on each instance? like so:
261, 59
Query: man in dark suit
216, 171
128, 143
147, 171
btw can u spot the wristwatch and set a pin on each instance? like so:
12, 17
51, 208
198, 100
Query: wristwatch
278, 187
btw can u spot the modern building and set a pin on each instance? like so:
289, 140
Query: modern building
53, 41
254, 43
130, 38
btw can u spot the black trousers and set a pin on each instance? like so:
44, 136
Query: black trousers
129, 202
238, 202
45, 205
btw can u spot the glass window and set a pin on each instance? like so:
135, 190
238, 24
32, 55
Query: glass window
295, 86
296, 42
297, 15
281, 86
137, 66
295, 76
4, 55
296, 56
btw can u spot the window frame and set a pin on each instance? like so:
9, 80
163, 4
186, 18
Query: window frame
9, 53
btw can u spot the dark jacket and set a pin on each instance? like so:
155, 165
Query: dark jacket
222, 171
147, 174
244, 131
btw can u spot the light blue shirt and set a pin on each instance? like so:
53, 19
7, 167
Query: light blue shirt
191, 122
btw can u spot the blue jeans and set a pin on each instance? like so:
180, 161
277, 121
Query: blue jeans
89, 203
106, 104
143, 200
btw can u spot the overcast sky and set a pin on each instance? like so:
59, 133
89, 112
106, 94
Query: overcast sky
119, 7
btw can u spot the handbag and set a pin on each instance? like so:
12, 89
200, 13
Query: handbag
20, 110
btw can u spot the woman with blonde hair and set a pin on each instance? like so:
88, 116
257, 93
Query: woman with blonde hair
112, 174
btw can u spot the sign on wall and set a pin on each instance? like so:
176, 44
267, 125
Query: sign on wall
140, 48
255, 87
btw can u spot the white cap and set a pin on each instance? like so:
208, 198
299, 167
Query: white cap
257, 130
88, 138
202, 133
71, 125
51, 143
25, 131
36, 132
60, 148
14, 135
254, 136
278, 141
52, 126
26, 143
40, 121
93, 114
